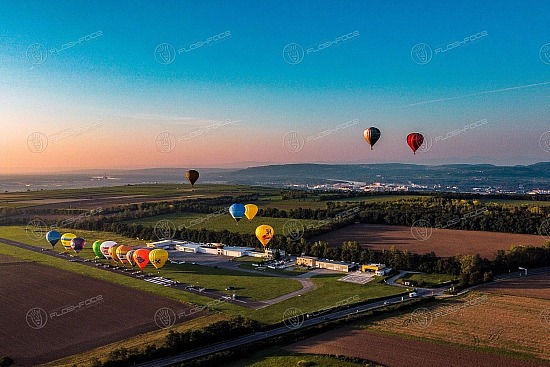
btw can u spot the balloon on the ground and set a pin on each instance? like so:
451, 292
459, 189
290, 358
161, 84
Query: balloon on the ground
192, 176
415, 140
130, 257
77, 244
96, 248
372, 134
237, 211
53, 237
122, 253
66, 240
105, 246
250, 211
112, 252
141, 257
158, 257
264, 233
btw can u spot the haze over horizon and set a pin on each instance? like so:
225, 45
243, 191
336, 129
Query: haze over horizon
135, 85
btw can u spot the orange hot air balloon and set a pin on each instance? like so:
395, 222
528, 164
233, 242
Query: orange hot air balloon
121, 252
141, 257
192, 176
415, 140
112, 253
372, 134
264, 233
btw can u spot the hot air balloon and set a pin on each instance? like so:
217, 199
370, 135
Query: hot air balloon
141, 257
372, 134
264, 233
192, 176
96, 248
415, 140
112, 252
130, 257
250, 211
53, 237
122, 253
158, 257
66, 240
77, 244
105, 246
237, 211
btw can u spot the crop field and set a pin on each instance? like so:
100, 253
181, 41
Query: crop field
479, 329
55, 313
219, 222
444, 242
531, 286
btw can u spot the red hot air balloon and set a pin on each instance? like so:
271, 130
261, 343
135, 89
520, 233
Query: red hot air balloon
415, 140
141, 257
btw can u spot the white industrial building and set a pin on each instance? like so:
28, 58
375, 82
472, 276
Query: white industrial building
212, 248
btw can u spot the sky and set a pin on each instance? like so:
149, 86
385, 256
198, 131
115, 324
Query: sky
141, 84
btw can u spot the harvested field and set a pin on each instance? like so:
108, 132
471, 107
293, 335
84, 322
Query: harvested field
397, 351
480, 329
531, 286
444, 242
72, 313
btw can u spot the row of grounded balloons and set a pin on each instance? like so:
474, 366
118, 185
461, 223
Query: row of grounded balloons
111, 250
414, 140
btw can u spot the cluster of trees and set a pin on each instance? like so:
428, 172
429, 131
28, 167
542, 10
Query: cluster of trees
179, 342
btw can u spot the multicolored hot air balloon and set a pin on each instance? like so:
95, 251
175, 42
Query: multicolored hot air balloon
192, 176
66, 240
372, 134
77, 244
158, 257
264, 233
237, 211
105, 246
53, 237
250, 211
415, 140
96, 248
141, 257
122, 253
130, 257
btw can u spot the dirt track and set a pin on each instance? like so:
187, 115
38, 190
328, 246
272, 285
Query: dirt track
108, 313
444, 242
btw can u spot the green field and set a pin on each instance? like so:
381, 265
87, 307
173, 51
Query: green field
275, 357
218, 223
427, 280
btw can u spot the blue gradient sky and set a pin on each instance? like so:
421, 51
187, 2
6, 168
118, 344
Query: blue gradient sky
115, 82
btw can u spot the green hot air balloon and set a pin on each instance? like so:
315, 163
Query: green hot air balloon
97, 250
